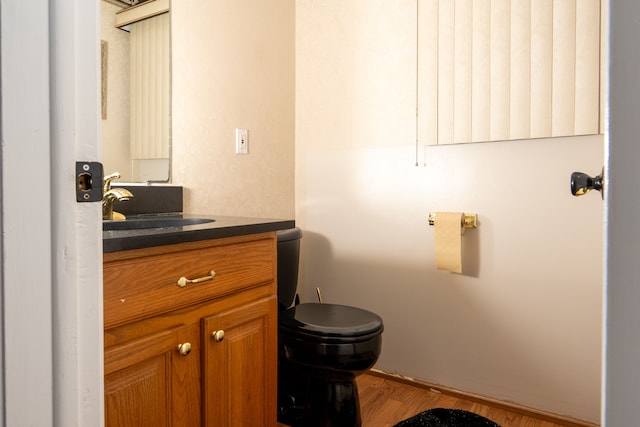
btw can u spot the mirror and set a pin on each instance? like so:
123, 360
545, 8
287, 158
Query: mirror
136, 90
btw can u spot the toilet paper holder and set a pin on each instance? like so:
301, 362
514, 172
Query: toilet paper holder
469, 220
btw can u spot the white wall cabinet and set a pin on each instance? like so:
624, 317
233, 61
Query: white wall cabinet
508, 69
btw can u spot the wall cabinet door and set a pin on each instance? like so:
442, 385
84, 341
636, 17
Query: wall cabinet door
239, 366
149, 382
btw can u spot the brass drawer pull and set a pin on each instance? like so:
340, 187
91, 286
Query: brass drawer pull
183, 281
184, 349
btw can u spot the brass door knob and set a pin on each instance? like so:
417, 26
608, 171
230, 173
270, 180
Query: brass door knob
218, 335
184, 349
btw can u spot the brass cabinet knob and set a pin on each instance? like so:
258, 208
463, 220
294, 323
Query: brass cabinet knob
184, 349
218, 335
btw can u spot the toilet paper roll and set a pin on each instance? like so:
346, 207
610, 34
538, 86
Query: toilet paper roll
448, 240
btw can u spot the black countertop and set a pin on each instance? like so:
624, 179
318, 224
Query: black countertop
223, 226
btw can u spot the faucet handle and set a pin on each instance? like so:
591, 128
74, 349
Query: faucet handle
106, 182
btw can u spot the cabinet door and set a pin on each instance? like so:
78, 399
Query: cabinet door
149, 383
240, 363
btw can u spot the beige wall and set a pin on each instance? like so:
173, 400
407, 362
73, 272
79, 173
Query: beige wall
523, 323
233, 67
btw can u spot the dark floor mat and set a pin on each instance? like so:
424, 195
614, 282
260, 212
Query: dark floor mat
440, 417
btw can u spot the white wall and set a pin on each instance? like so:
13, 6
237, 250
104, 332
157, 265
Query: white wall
523, 323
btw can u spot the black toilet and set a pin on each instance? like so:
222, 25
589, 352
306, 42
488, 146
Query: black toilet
321, 350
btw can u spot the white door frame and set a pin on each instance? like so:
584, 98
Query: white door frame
78, 366
51, 245
26, 225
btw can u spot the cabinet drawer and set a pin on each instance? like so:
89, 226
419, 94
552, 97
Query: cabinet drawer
142, 287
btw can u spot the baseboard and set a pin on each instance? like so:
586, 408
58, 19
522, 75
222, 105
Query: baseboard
543, 415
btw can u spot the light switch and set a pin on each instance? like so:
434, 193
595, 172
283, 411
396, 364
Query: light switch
242, 141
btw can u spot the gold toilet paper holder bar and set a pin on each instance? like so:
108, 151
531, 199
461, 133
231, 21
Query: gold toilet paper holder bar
469, 221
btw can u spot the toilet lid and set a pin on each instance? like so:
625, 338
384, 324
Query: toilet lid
321, 321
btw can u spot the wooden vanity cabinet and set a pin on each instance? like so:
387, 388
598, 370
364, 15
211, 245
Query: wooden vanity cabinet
202, 354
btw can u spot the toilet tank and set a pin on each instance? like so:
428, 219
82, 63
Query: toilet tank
288, 259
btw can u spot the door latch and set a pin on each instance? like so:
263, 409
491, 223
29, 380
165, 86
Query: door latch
89, 181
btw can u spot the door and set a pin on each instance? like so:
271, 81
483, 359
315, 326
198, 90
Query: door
622, 235
239, 366
154, 381
51, 246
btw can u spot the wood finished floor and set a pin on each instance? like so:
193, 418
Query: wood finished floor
386, 402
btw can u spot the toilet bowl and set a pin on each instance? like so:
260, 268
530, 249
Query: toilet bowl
321, 350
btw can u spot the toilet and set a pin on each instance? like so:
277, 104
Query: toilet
321, 350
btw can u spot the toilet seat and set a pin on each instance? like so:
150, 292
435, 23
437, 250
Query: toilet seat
330, 323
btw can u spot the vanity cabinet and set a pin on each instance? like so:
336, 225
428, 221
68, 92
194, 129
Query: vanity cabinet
200, 353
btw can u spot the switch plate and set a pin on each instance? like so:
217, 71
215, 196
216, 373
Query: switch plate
242, 141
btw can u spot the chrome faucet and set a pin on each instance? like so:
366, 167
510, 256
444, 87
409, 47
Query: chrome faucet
110, 195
